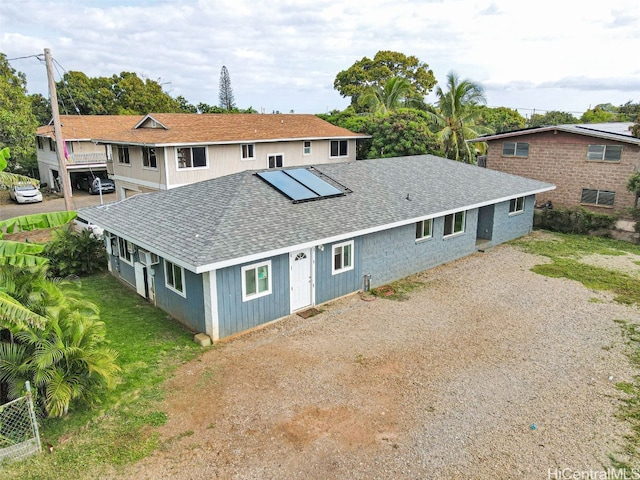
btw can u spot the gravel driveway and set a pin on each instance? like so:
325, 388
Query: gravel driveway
488, 371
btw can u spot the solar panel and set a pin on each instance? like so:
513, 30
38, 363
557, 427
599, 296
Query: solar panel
313, 182
287, 185
299, 184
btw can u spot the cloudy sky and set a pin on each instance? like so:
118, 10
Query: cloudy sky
566, 55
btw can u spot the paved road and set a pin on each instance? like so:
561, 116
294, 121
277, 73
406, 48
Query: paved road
53, 204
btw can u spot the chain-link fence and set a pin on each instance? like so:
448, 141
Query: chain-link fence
19, 437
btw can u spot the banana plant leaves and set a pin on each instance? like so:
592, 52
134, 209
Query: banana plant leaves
36, 221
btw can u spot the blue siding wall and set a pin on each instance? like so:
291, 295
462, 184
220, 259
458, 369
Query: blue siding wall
330, 286
394, 254
188, 311
507, 227
234, 315
127, 272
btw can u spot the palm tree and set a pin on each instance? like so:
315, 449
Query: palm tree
395, 93
455, 120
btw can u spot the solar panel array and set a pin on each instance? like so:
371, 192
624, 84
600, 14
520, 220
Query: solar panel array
299, 184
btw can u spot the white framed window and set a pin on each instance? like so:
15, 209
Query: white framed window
454, 224
424, 229
602, 198
52, 144
342, 255
256, 280
604, 153
191, 157
248, 151
275, 160
515, 149
516, 205
125, 249
149, 158
174, 277
123, 156
339, 148
306, 147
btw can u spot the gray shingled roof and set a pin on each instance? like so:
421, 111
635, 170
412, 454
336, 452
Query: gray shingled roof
229, 219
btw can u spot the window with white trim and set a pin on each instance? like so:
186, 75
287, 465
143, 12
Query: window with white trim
306, 147
174, 277
125, 248
191, 157
275, 161
454, 224
123, 156
52, 144
603, 198
515, 149
339, 148
40, 143
256, 280
604, 153
149, 158
342, 254
424, 229
248, 151
516, 205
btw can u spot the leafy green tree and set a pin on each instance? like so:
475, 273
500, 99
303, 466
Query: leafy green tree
18, 124
500, 119
457, 119
185, 106
8, 178
225, 94
601, 114
402, 132
395, 93
366, 73
552, 117
629, 111
41, 108
124, 94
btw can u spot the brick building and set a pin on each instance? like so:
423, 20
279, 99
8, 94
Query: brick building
590, 164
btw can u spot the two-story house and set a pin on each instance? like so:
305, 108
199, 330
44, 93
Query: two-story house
590, 164
83, 156
164, 151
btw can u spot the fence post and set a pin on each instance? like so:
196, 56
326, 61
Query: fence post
32, 415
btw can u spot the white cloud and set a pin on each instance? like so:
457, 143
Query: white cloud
284, 55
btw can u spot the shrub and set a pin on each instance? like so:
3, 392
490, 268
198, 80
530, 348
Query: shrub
73, 253
573, 220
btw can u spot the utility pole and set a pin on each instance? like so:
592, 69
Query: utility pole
62, 161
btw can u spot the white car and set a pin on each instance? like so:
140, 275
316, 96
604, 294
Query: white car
81, 224
25, 193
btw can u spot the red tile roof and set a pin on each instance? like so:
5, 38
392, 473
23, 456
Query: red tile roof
184, 128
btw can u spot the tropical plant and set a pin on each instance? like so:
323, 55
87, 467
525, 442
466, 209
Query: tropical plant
7, 178
67, 360
500, 119
552, 117
403, 132
75, 253
395, 93
457, 119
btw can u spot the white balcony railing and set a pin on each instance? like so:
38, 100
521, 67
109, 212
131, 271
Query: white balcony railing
86, 158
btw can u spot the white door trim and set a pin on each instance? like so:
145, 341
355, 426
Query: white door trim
305, 296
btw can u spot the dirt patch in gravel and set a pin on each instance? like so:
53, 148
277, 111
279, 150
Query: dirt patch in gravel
487, 371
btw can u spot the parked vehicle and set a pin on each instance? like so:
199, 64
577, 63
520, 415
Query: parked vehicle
80, 224
93, 184
25, 193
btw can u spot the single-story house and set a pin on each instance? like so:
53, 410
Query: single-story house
231, 253
590, 164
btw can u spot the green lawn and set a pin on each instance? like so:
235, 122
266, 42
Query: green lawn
151, 345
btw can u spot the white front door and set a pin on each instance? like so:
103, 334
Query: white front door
141, 279
300, 278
